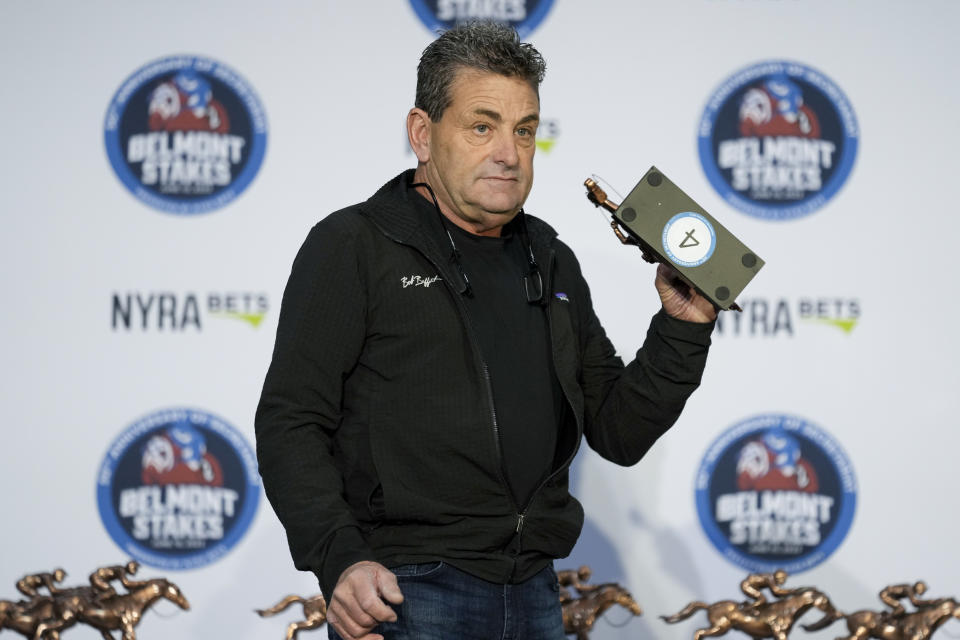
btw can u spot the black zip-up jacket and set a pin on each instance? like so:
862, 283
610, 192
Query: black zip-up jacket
376, 433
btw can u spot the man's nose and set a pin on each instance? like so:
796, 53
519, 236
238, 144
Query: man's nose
505, 152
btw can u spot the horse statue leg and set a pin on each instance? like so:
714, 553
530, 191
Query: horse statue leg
292, 630
717, 629
50, 629
46, 632
306, 625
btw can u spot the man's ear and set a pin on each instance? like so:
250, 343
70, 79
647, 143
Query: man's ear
418, 133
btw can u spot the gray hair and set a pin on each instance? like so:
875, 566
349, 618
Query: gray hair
484, 46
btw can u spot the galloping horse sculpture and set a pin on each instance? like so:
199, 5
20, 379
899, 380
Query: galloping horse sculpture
580, 614
46, 616
118, 612
919, 625
769, 620
314, 613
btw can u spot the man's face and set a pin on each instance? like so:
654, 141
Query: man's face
481, 150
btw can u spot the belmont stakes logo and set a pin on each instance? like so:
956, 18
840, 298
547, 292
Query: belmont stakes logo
185, 134
523, 15
178, 489
777, 140
776, 492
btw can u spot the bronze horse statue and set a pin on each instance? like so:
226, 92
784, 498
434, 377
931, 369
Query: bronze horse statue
25, 616
770, 620
314, 612
120, 612
580, 614
919, 625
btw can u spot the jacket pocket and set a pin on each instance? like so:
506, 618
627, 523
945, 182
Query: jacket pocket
423, 570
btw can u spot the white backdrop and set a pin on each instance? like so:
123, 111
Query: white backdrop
626, 86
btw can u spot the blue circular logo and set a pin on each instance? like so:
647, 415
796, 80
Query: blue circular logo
777, 140
689, 239
522, 15
178, 489
185, 135
776, 492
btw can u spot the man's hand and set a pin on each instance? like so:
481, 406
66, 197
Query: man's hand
680, 300
357, 604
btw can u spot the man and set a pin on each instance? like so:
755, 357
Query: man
437, 364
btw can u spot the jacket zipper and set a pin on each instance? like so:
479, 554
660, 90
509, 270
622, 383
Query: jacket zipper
521, 512
486, 373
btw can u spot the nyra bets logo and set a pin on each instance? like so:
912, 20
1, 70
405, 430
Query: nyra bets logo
777, 140
776, 491
523, 15
185, 135
178, 489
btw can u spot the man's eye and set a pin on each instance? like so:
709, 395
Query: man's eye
523, 131
481, 128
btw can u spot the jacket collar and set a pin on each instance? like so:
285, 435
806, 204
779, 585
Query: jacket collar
393, 211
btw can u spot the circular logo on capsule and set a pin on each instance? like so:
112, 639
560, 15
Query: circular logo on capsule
689, 239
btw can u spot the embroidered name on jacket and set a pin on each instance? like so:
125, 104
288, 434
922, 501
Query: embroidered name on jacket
418, 281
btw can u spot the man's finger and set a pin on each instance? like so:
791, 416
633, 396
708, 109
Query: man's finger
389, 589
348, 628
336, 624
351, 612
373, 607
364, 604
357, 606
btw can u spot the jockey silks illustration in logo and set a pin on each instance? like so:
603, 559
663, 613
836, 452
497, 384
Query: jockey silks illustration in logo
777, 140
774, 463
776, 491
185, 134
178, 489
179, 456
523, 15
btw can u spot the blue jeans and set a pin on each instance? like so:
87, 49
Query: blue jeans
440, 602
